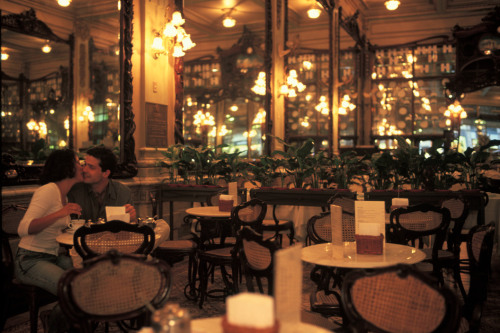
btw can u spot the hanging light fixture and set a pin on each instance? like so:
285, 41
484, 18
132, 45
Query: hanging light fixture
63, 3
314, 12
46, 48
228, 22
392, 4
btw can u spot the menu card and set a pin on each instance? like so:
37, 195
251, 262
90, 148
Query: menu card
117, 213
288, 283
233, 191
369, 218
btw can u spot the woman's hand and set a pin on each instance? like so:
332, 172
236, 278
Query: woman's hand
71, 208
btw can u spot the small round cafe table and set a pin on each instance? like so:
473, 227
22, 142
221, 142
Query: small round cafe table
345, 256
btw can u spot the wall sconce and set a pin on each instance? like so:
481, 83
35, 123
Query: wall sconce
5, 55
392, 4
292, 85
345, 105
87, 113
260, 84
314, 12
455, 111
46, 48
173, 36
63, 3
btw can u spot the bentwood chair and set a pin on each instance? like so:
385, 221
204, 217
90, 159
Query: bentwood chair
257, 258
91, 241
398, 299
11, 286
114, 287
418, 224
326, 299
250, 214
478, 265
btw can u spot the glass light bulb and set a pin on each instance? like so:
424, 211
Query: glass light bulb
177, 18
392, 4
313, 13
170, 30
228, 22
63, 3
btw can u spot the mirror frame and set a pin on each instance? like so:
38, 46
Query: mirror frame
27, 23
127, 166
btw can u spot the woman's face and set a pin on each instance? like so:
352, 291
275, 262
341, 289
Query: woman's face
78, 170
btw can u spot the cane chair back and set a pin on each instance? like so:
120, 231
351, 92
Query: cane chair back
257, 258
398, 299
114, 287
319, 228
347, 204
97, 239
250, 214
459, 210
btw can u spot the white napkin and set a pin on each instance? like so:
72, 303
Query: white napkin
117, 213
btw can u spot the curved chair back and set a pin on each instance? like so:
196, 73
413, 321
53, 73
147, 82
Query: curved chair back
257, 258
398, 299
319, 228
114, 287
249, 214
414, 222
97, 239
459, 210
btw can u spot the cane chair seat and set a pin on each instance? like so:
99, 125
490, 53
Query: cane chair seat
114, 287
398, 299
97, 239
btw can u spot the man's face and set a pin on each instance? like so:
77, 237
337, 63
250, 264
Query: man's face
92, 172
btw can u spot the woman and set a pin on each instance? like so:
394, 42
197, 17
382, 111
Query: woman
38, 261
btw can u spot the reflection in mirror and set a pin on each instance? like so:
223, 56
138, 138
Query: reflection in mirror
42, 85
37, 90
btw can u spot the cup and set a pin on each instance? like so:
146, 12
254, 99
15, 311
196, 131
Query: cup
75, 224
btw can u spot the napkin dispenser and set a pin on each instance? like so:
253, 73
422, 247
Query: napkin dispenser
369, 240
225, 203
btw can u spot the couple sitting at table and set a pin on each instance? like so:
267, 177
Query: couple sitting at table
68, 189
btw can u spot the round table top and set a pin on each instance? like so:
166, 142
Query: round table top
345, 256
161, 231
207, 211
214, 325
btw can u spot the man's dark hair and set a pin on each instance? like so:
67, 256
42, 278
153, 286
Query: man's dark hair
107, 158
59, 165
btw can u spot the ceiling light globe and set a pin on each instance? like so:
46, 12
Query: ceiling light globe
63, 3
392, 4
229, 22
313, 13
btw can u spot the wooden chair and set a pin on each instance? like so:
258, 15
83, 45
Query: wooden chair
257, 258
479, 249
250, 214
91, 241
417, 224
326, 299
36, 297
114, 287
397, 299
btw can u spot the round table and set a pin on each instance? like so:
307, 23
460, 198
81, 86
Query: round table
345, 256
162, 230
208, 211
214, 325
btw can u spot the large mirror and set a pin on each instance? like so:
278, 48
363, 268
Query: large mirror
78, 94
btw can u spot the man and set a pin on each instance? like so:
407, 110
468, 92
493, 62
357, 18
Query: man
98, 190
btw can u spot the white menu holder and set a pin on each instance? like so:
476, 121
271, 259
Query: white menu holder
288, 284
233, 191
369, 217
337, 231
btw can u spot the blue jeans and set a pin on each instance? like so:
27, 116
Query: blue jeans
41, 269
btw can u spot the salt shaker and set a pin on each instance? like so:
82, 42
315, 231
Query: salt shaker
171, 319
